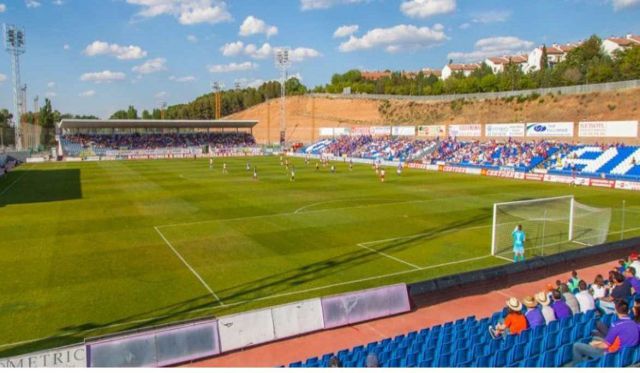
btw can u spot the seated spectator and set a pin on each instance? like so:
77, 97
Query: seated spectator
623, 332
372, 360
533, 313
514, 323
630, 277
584, 297
634, 262
570, 299
573, 282
622, 266
547, 312
621, 291
598, 288
560, 308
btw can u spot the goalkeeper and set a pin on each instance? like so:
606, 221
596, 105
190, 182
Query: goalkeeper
519, 237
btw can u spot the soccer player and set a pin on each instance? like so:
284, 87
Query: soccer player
382, 173
350, 164
399, 170
255, 173
333, 169
519, 237
317, 166
224, 168
293, 174
210, 163
248, 166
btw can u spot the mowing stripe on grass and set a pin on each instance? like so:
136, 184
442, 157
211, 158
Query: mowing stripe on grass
389, 256
12, 184
188, 265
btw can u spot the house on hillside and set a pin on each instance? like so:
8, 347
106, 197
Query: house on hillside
427, 72
465, 69
556, 53
497, 64
613, 44
375, 75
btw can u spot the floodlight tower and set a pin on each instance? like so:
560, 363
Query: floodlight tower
217, 96
283, 62
14, 43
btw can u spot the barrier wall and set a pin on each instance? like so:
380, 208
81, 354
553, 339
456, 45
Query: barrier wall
297, 318
352, 308
69, 357
246, 329
156, 348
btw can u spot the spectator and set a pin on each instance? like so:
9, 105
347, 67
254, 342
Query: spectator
547, 312
630, 275
573, 282
634, 262
621, 291
598, 288
334, 362
560, 308
623, 332
533, 314
514, 323
372, 360
584, 297
570, 299
622, 266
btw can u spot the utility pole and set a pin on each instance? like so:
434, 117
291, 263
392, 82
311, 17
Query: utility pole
15, 46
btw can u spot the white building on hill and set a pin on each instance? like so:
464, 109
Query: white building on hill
614, 44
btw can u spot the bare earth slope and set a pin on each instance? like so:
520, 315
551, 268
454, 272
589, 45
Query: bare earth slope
305, 115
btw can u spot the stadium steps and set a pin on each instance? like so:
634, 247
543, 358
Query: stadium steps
625, 166
622, 154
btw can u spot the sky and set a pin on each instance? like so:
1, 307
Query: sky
98, 56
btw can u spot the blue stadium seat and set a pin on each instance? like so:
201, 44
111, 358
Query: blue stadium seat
516, 354
533, 348
589, 315
531, 362
588, 364
538, 331
608, 361
311, 361
463, 355
425, 364
443, 361
297, 364
566, 322
524, 336
412, 360
509, 340
564, 336
625, 357
564, 355
636, 356
481, 362
549, 341
552, 327
547, 359
499, 359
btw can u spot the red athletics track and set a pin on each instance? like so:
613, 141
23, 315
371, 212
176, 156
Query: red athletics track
320, 343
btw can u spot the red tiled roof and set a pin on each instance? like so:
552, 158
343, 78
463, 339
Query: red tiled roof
375, 75
634, 38
464, 67
623, 42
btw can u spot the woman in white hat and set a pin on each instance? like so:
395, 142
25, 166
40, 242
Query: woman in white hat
544, 302
514, 323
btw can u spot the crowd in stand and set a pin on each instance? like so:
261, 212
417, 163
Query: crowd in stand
165, 140
384, 147
562, 300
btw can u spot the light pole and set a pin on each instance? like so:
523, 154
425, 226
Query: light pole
217, 95
14, 43
283, 62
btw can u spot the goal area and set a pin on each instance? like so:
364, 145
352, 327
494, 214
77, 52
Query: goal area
551, 225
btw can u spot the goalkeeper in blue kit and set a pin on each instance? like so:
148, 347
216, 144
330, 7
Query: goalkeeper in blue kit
519, 237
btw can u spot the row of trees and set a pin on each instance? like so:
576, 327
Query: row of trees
586, 64
203, 107
47, 118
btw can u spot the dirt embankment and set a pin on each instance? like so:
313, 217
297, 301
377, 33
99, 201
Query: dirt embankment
305, 115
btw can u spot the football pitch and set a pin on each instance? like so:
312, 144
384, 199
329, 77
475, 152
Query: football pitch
89, 249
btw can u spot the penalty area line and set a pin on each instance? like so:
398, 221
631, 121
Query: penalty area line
183, 260
388, 256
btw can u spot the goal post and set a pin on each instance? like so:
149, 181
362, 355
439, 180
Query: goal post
551, 225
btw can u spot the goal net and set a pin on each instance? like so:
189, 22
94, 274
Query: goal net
551, 225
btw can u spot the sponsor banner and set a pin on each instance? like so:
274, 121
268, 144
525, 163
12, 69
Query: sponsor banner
519, 175
505, 130
403, 131
420, 166
380, 131
609, 129
461, 170
534, 177
92, 159
501, 173
35, 160
602, 183
559, 179
70, 357
360, 131
341, 131
73, 159
627, 185
550, 129
432, 131
465, 130
326, 132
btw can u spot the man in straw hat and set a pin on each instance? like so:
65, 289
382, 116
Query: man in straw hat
533, 313
545, 308
514, 323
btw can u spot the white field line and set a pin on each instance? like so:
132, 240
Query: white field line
504, 258
188, 265
227, 305
389, 256
12, 184
453, 230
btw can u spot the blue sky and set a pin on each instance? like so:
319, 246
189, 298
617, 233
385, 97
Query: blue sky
97, 56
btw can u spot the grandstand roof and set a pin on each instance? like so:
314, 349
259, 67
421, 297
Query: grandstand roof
211, 124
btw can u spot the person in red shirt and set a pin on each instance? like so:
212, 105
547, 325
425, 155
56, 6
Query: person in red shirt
514, 323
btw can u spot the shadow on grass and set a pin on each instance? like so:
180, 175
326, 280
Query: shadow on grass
270, 285
24, 186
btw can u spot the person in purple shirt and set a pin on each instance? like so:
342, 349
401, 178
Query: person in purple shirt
624, 332
533, 313
559, 306
630, 275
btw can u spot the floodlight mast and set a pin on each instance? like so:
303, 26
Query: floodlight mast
217, 97
283, 62
15, 45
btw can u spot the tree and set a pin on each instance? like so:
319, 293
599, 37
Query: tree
146, 115
46, 119
120, 114
627, 64
132, 113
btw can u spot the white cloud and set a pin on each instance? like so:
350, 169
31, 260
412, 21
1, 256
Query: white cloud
187, 12
3, 8
161, 95
254, 26
344, 31
151, 66
325, 4
57, 2
2, 78
265, 51
492, 16
182, 79
51, 94
51, 84
397, 38
32, 3
232, 67
106, 76
89, 93
622, 4
192, 38
301, 54
232, 49
66, 47
131, 52
492, 47
465, 26
427, 8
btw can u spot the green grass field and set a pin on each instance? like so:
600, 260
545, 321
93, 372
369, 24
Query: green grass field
95, 248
